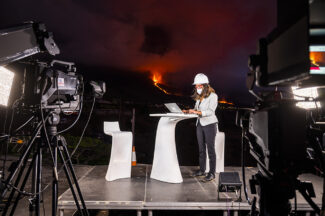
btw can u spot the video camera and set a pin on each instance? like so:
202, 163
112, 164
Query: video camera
54, 85
283, 138
49, 85
48, 89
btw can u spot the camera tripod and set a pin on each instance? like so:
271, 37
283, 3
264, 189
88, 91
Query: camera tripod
58, 147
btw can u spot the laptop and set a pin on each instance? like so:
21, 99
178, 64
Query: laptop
173, 108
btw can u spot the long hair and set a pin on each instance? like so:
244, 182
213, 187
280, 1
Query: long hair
207, 90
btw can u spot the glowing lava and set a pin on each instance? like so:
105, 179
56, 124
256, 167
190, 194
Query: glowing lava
313, 57
157, 79
223, 101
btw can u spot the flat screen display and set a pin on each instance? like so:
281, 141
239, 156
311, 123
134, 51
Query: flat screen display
317, 59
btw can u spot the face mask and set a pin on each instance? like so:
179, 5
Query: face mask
199, 91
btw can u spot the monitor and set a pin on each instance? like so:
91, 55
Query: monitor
317, 59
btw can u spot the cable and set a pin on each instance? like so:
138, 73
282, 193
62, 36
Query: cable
25, 193
43, 122
79, 104
3, 136
44, 127
83, 132
8, 139
80, 111
11, 120
5, 157
5, 122
18, 166
43, 201
9, 133
243, 169
24, 124
77, 119
47, 138
48, 142
243, 159
75, 149
2, 145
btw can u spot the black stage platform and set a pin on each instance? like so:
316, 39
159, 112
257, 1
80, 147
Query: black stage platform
142, 193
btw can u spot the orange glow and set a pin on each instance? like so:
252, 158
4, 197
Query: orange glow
157, 79
223, 101
312, 59
316, 58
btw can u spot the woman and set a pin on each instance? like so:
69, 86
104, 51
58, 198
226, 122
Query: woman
206, 125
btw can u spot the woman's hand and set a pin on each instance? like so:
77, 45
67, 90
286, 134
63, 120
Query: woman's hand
185, 111
192, 111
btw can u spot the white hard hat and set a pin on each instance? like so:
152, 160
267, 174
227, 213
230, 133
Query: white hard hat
201, 78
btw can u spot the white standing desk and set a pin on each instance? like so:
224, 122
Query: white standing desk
165, 165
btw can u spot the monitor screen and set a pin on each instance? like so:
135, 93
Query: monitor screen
317, 59
17, 44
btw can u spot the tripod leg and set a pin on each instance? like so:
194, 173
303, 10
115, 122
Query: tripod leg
20, 173
55, 182
38, 180
22, 157
23, 184
64, 145
69, 181
34, 185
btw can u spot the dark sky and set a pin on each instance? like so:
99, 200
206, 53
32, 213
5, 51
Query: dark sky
173, 38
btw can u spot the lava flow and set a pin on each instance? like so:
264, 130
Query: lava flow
157, 79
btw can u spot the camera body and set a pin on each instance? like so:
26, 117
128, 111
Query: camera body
54, 85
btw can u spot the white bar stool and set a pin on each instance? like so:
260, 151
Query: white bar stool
220, 152
120, 161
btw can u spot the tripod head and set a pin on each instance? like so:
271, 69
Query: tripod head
52, 123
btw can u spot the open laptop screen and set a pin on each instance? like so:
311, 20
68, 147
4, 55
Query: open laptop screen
173, 107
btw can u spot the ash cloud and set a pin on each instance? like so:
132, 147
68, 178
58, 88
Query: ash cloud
174, 38
157, 40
